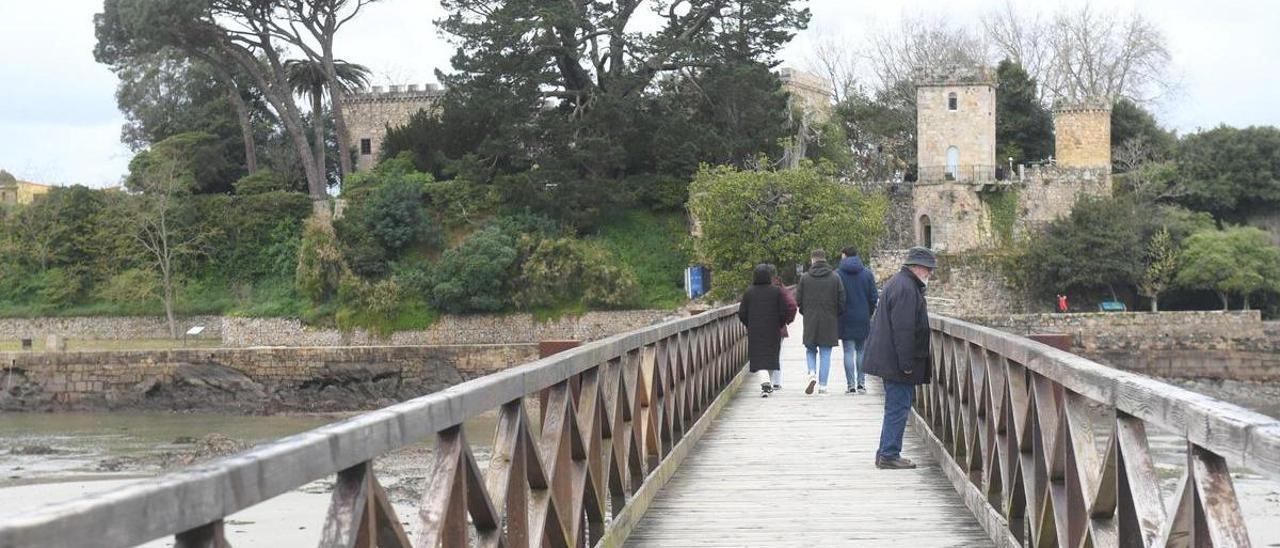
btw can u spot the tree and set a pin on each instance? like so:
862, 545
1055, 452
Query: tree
1024, 128
1238, 260
880, 131
1231, 172
233, 34
921, 44
197, 160
1083, 53
1130, 121
1097, 246
151, 215
1162, 261
309, 80
751, 217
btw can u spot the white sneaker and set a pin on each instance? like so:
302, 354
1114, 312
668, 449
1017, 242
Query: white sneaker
822, 390
813, 381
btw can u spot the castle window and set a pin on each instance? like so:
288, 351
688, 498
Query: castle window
953, 163
952, 102
926, 232
366, 147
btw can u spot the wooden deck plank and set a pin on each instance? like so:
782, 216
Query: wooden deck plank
797, 470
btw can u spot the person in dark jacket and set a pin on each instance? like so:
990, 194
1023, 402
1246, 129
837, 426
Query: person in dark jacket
764, 311
792, 307
820, 295
860, 298
898, 350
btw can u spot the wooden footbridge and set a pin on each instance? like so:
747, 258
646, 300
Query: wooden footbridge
658, 438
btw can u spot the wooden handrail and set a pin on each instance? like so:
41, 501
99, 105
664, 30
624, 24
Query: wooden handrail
611, 412
1017, 425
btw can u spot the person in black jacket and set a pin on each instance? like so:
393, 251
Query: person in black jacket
898, 350
765, 311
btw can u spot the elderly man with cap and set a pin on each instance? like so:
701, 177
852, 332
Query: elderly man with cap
898, 350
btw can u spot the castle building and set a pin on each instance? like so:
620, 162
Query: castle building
369, 114
810, 92
16, 192
964, 199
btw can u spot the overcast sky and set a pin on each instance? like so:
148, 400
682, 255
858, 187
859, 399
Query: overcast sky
59, 123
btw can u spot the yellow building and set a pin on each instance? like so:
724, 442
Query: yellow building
14, 191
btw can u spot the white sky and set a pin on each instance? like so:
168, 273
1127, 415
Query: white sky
59, 123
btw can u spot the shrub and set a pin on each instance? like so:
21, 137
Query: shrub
132, 286
609, 286
551, 275
475, 276
59, 286
260, 182
320, 268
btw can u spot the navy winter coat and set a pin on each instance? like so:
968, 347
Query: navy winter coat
860, 297
898, 347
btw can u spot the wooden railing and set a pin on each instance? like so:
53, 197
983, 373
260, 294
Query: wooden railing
1050, 449
612, 418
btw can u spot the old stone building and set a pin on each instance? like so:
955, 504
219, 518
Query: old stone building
964, 199
14, 191
809, 92
369, 113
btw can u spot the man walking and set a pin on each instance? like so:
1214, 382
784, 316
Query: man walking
820, 295
859, 304
898, 350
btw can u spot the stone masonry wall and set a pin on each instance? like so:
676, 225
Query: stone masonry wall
368, 114
242, 332
1082, 136
473, 329
971, 128
254, 380
962, 286
1192, 344
105, 328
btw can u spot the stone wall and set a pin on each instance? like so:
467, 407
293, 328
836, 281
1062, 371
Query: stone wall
105, 328
1049, 193
253, 380
1234, 345
243, 332
1082, 135
962, 286
369, 113
473, 329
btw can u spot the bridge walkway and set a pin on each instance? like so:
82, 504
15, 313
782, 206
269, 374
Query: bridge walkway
797, 470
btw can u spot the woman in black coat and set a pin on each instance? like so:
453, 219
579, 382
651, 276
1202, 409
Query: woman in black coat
765, 312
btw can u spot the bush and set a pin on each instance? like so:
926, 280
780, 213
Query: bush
655, 248
132, 286
475, 276
609, 286
59, 286
261, 182
658, 192
320, 268
552, 274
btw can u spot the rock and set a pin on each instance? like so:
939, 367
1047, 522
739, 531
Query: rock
34, 450
184, 440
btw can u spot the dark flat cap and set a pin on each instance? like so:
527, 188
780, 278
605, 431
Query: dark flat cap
921, 256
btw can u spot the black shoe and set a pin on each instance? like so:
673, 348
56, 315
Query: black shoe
851, 390
765, 389
862, 389
777, 387
894, 464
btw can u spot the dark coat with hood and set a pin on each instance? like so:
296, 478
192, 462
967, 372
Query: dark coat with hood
860, 298
898, 347
820, 295
764, 312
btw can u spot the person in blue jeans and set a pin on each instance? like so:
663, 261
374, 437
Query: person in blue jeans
820, 296
860, 298
898, 350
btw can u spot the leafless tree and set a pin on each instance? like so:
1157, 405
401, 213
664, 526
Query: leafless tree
1085, 53
150, 214
921, 43
1020, 38
835, 60
1150, 176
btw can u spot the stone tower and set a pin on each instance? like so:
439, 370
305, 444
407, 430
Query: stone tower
1082, 134
370, 112
956, 124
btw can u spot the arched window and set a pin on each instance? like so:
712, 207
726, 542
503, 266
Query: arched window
926, 232
952, 102
953, 163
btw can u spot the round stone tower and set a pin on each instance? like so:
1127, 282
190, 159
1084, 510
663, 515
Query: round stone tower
1082, 134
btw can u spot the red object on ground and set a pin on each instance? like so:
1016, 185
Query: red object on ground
1062, 303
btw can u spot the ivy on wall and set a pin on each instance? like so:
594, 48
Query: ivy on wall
1002, 210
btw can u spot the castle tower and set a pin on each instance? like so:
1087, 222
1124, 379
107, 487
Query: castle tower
1082, 134
370, 112
956, 124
